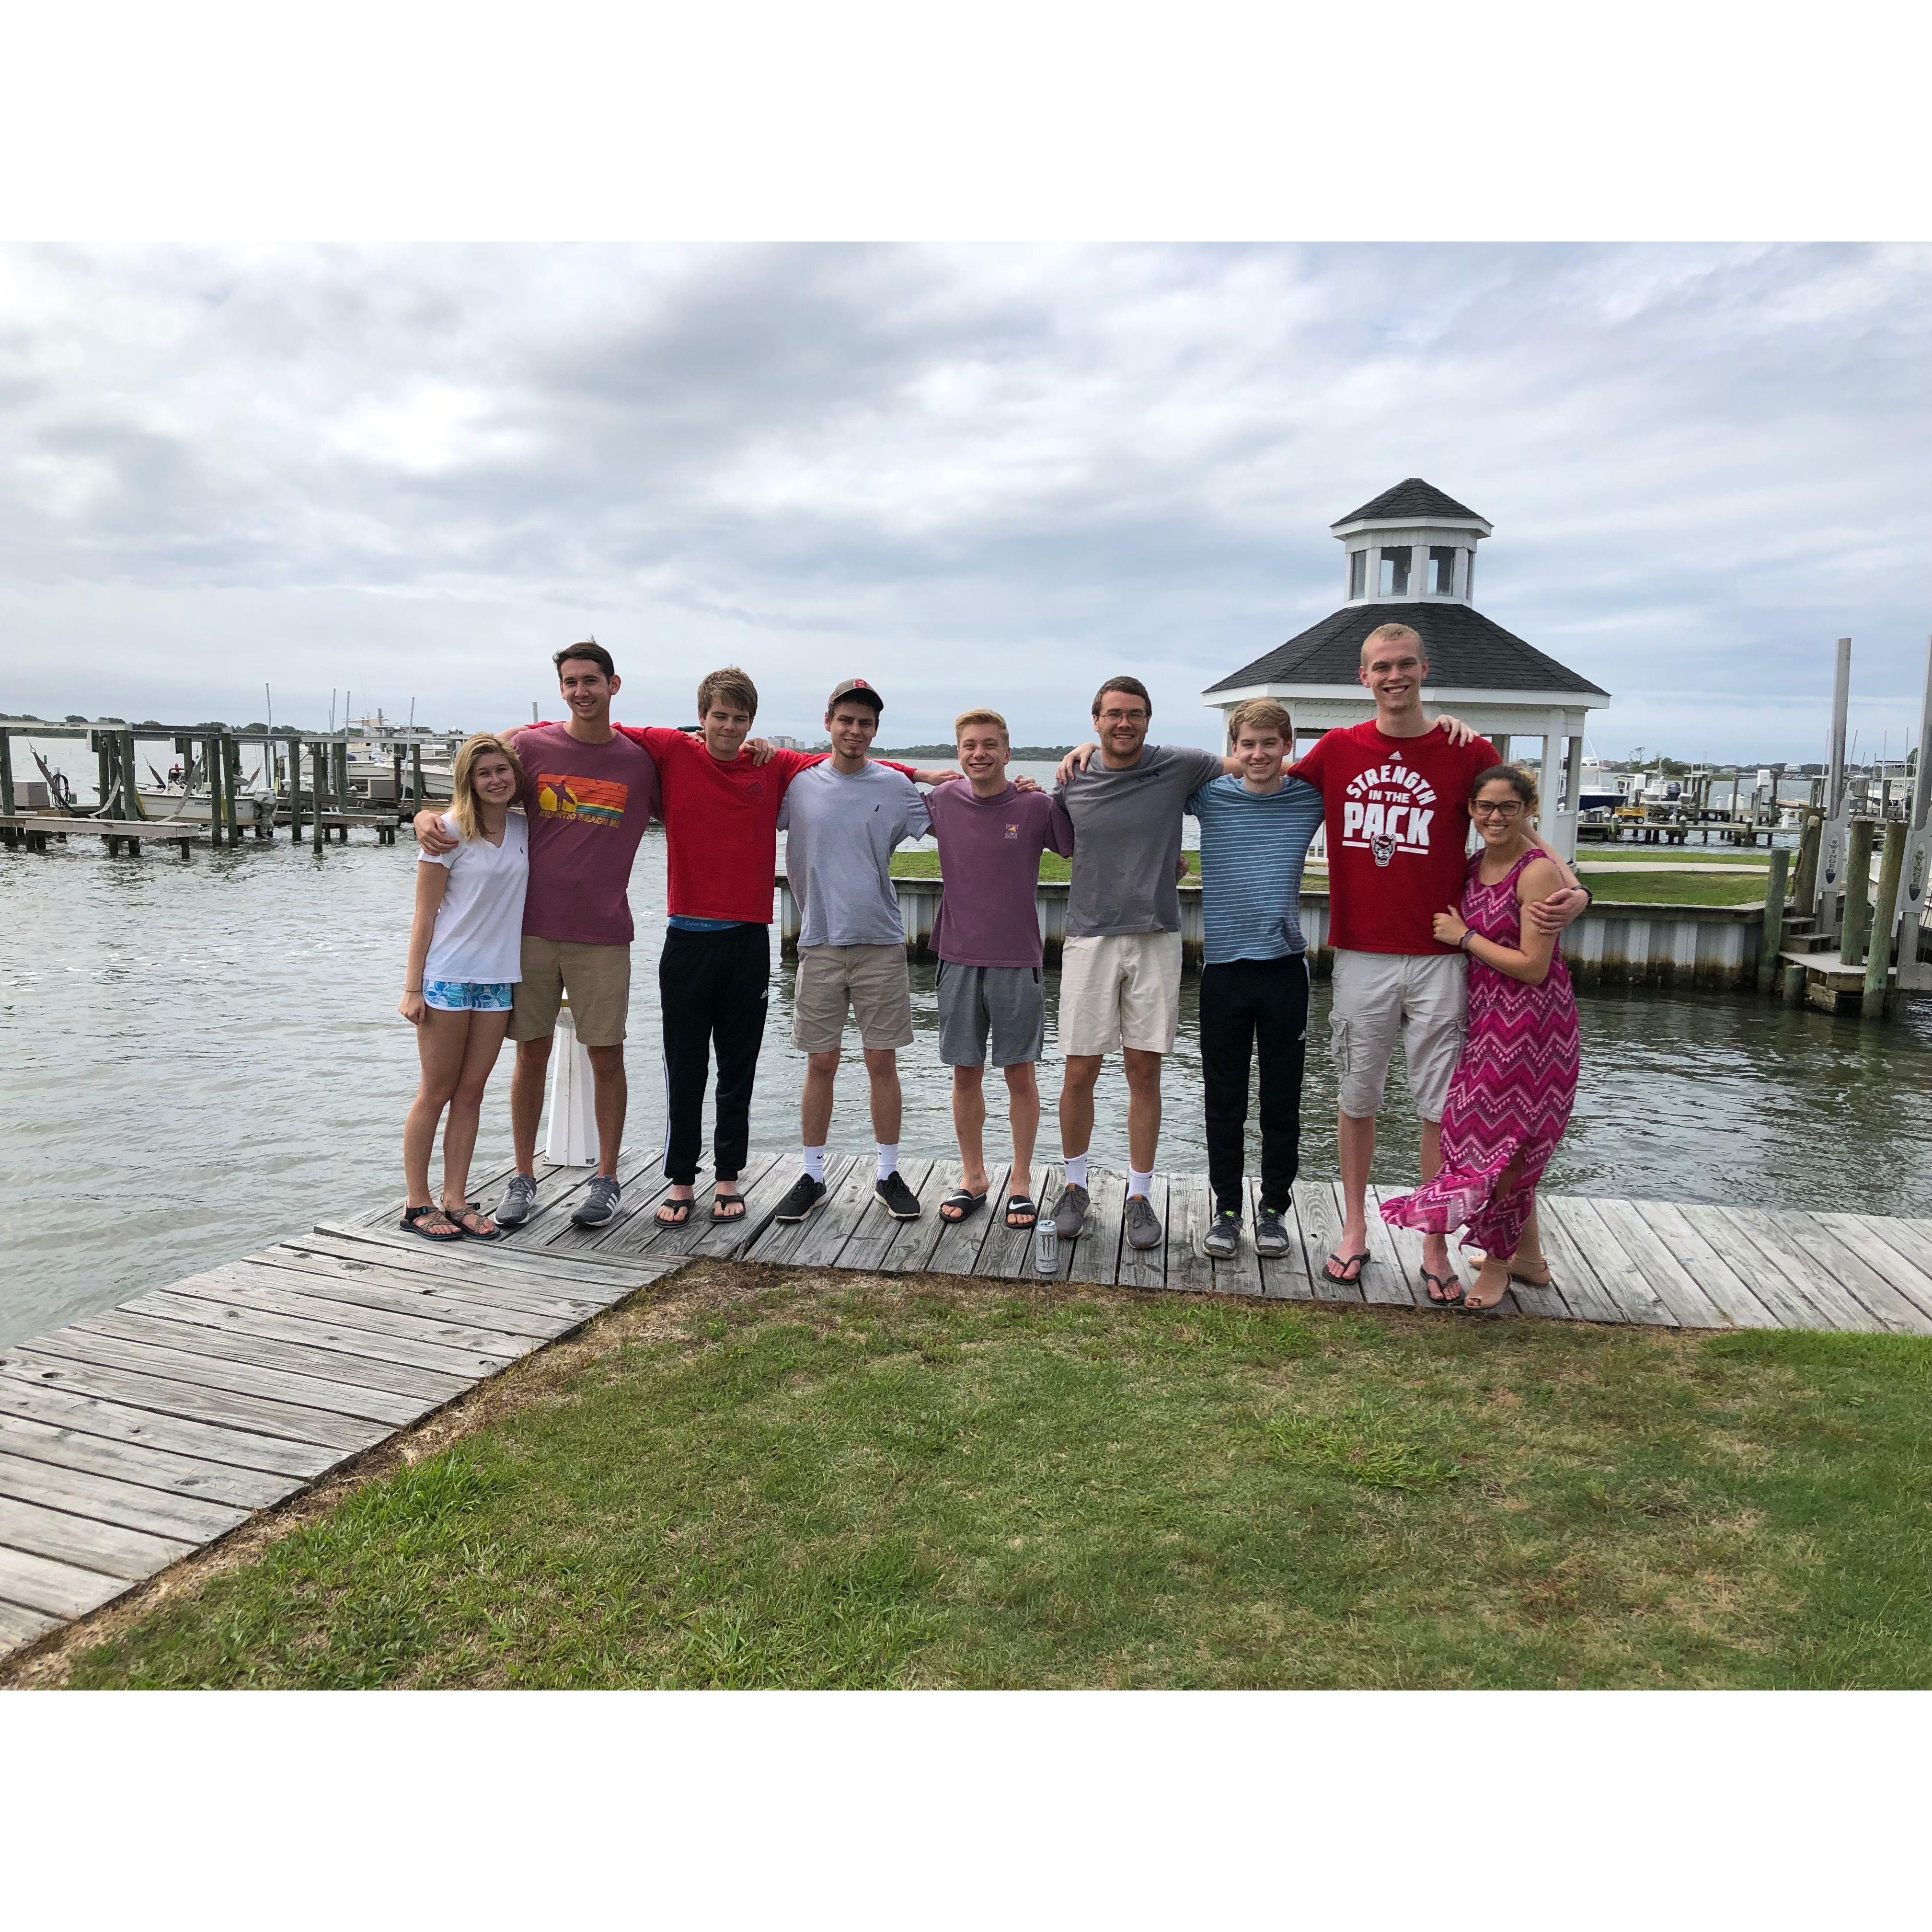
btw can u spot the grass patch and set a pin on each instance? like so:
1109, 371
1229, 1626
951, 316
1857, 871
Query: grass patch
828, 1480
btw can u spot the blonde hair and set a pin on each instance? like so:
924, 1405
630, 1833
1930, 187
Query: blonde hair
1261, 714
465, 807
1387, 634
730, 683
992, 718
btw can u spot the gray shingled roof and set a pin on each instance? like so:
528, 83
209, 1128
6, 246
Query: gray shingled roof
1412, 497
1467, 652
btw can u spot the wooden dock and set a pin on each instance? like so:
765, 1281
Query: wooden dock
131, 1438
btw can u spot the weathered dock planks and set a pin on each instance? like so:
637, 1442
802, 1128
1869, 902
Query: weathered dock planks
131, 1437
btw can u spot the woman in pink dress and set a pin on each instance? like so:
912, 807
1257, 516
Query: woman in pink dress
1513, 1086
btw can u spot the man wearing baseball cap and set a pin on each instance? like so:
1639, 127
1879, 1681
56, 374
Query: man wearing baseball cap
842, 819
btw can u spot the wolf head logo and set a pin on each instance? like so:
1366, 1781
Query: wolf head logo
1383, 847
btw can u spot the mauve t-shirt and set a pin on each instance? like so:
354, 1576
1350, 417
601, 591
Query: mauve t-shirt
989, 852
588, 806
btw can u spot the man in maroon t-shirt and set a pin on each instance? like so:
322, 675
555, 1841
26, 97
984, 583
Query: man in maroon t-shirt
1395, 798
588, 793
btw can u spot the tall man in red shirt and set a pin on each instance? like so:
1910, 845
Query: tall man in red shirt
1395, 794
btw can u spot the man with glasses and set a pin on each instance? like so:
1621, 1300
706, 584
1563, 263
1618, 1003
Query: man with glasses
1120, 968
1395, 794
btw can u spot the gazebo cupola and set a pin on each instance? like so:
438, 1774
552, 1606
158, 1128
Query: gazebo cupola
1411, 542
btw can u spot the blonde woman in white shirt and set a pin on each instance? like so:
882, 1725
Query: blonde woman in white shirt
465, 954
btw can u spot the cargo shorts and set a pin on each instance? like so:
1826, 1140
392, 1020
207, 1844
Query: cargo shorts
1423, 999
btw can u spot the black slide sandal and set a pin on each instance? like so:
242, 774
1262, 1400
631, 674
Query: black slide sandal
967, 1204
1025, 1204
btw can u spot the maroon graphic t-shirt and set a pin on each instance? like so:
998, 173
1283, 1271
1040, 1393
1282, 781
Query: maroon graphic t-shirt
1397, 810
588, 807
989, 852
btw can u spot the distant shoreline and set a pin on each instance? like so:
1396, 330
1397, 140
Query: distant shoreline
1033, 753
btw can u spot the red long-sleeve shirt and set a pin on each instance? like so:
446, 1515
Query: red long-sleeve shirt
723, 821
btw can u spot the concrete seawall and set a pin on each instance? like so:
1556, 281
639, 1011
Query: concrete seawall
1613, 944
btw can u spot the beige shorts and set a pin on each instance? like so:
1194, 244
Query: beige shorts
597, 978
1422, 999
1120, 989
871, 983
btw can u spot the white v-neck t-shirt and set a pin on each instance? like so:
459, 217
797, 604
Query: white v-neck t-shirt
479, 927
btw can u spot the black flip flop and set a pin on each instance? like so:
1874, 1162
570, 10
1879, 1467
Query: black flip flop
1432, 1281
722, 1201
680, 1213
968, 1205
1022, 1203
1344, 1279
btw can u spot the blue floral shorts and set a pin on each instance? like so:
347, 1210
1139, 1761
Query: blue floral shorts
469, 996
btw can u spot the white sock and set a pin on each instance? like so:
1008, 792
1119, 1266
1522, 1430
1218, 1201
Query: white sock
888, 1160
1140, 1183
1076, 1170
815, 1163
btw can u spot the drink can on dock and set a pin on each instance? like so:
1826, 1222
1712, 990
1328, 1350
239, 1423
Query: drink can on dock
1045, 1248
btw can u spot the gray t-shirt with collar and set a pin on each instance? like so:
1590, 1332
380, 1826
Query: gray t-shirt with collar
840, 829
1126, 839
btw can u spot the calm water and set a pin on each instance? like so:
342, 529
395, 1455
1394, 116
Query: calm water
199, 1059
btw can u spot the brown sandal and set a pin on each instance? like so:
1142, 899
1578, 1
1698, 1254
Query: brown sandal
432, 1224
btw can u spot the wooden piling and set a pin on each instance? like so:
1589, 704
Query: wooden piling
6, 773
1858, 893
1804, 884
320, 752
415, 778
1891, 865
131, 806
103, 768
231, 779
1773, 919
294, 750
1792, 990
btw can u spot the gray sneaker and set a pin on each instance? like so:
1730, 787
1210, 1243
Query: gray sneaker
519, 1197
1270, 1234
601, 1201
1222, 1240
1069, 1212
1143, 1223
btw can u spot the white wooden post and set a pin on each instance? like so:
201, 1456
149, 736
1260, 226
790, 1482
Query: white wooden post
571, 1141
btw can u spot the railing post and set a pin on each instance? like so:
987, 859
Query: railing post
1879, 967
1774, 919
1857, 892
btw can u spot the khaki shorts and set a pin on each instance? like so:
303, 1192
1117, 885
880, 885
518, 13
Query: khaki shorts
871, 983
1422, 999
597, 978
1120, 989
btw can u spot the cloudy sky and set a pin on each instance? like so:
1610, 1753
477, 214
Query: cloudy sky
973, 476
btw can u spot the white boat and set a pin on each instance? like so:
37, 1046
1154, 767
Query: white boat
191, 808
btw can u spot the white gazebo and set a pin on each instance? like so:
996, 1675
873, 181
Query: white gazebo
1411, 559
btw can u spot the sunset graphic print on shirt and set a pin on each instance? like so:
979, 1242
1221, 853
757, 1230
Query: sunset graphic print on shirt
587, 801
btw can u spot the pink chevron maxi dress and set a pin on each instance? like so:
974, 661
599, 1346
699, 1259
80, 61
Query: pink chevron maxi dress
1513, 1088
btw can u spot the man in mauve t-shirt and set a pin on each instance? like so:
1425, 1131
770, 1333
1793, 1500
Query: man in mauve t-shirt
1395, 806
987, 936
588, 793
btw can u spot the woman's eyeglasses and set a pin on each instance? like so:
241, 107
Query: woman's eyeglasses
1510, 810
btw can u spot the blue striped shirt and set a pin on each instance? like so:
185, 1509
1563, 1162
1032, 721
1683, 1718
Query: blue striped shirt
1252, 846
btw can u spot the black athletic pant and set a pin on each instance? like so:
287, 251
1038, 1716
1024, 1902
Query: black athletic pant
1245, 1004
713, 988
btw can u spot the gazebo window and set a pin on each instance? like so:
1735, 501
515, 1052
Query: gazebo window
1358, 574
1442, 569
1395, 573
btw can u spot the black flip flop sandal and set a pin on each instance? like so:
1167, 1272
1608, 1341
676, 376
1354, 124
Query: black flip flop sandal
414, 1217
1022, 1203
680, 1214
1432, 1281
719, 1202
968, 1205
1341, 1277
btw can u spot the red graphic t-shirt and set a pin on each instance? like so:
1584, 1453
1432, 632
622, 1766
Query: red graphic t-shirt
588, 806
1397, 815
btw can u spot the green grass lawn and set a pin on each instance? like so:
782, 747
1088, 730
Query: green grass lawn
840, 1481
1662, 887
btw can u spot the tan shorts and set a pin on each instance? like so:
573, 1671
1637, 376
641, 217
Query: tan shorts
871, 983
597, 978
1377, 998
1120, 989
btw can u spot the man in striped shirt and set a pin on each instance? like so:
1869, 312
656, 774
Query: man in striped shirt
1256, 825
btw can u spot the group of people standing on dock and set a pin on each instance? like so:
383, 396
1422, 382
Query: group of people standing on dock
1454, 956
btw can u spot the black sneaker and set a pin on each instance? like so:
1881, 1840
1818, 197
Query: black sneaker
1271, 1236
806, 1194
902, 1203
1222, 1240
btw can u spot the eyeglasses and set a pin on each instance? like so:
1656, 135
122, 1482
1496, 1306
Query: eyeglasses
1495, 811
1123, 717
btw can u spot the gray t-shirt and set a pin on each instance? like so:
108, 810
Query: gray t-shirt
840, 831
1126, 839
